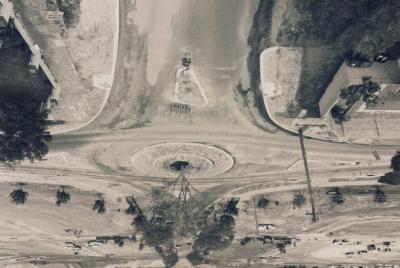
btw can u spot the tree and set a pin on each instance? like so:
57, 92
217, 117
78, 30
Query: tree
131, 210
393, 177
214, 234
338, 112
298, 200
262, 202
23, 129
71, 9
99, 205
395, 162
62, 197
156, 233
337, 197
230, 207
379, 196
168, 254
19, 196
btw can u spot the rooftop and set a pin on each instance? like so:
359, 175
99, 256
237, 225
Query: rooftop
387, 73
383, 73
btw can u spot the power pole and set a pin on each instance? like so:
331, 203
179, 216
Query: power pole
255, 214
310, 191
183, 195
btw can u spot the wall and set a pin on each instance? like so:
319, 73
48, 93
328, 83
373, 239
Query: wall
331, 95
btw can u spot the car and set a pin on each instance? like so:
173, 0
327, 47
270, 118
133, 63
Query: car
94, 243
381, 58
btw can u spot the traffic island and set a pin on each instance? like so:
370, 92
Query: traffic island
166, 160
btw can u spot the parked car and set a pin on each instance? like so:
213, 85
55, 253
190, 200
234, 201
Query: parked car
381, 58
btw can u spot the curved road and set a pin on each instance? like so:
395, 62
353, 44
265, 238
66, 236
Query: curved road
215, 33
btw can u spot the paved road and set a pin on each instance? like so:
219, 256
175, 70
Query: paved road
210, 33
204, 40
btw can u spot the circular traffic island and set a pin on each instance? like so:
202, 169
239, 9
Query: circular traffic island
168, 159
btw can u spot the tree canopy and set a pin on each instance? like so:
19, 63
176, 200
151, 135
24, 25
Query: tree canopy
262, 202
395, 162
298, 200
99, 205
337, 197
62, 197
392, 177
19, 196
23, 129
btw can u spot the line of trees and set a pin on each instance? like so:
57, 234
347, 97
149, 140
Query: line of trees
337, 196
19, 196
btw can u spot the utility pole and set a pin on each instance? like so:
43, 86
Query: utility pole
255, 214
310, 191
183, 195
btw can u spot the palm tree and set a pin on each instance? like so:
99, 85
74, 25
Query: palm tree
19, 196
62, 197
298, 200
99, 205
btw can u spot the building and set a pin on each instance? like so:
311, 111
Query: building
6, 11
386, 74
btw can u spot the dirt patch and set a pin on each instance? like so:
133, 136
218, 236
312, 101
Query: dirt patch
280, 77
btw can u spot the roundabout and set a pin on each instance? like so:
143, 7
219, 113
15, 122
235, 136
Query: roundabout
167, 159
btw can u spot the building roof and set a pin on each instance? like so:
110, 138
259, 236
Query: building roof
383, 73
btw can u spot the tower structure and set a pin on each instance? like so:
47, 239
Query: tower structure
182, 193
